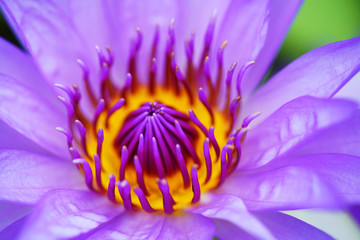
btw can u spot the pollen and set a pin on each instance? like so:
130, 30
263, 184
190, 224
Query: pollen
157, 146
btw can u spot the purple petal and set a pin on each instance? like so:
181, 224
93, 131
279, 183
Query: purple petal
229, 231
280, 188
286, 227
32, 115
232, 209
11, 212
351, 89
62, 214
293, 123
141, 225
26, 176
13, 231
320, 73
278, 24
340, 138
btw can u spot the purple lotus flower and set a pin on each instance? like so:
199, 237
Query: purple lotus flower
162, 136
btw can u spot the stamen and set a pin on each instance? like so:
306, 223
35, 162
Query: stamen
241, 75
207, 74
152, 76
100, 140
111, 188
249, 119
124, 159
182, 166
68, 135
87, 171
82, 131
234, 106
139, 175
114, 108
127, 85
158, 163
99, 109
98, 171
143, 201
89, 91
229, 76
223, 165
69, 107
75, 154
186, 142
209, 33
67, 90
195, 184
167, 199
197, 122
204, 101
181, 79
213, 141
140, 150
206, 148
125, 190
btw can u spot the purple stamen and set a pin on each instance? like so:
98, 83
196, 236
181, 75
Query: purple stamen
241, 75
67, 90
223, 165
140, 150
87, 171
74, 153
76, 93
204, 101
206, 148
111, 188
69, 106
85, 70
99, 109
143, 201
82, 131
124, 159
68, 135
101, 56
210, 31
158, 163
100, 140
152, 76
189, 47
229, 155
125, 193
230, 74
98, 170
207, 67
115, 107
139, 175
195, 184
197, 122
174, 113
213, 141
249, 119
171, 38
220, 53
182, 166
186, 142
138, 39
167, 199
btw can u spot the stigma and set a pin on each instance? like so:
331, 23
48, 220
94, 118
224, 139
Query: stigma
157, 147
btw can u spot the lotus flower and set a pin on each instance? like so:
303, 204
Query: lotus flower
162, 132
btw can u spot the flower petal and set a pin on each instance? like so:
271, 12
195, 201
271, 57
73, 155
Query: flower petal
31, 115
231, 208
332, 66
11, 212
293, 123
26, 176
284, 226
229, 231
68, 213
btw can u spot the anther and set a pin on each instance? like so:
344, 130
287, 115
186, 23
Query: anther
197, 122
189, 47
186, 142
89, 91
82, 131
124, 159
182, 166
111, 188
99, 109
167, 199
87, 171
69, 107
98, 171
234, 106
181, 79
228, 80
152, 76
115, 107
204, 101
223, 165
100, 140
127, 85
139, 175
220, 53
125, 193
195, 184
213, 141
67, 90
241, 75
75, 154
206, 149
68, 135
143, 201
157, 158
249, 119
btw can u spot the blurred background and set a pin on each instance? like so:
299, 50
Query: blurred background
318, 23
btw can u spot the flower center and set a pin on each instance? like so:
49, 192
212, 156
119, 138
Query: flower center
157, 147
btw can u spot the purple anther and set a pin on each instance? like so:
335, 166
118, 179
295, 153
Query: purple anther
223, 165
186, 142
101, 55
67, 90
182, 166
75, 154
99, 140
123, 162
172, 61
229, 154
204, 101
110, 59
157, 158
174, 113
98, 170
210, 30
99, 109
249, 119
167, 199
140, 150
143, 201
179, 76
156, 35
69, 106
241, 75
234, 105
189, 47
84, 68
207, 72
82, 131
128, 81
116, 107
87, 171
153, 65
206, 149
197, 122
111, 188
195, 184
213, 140
171, 38
105, 73
125, 193
76, 93
139, 175
68, 135
230, 74
138, 39
220, 53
